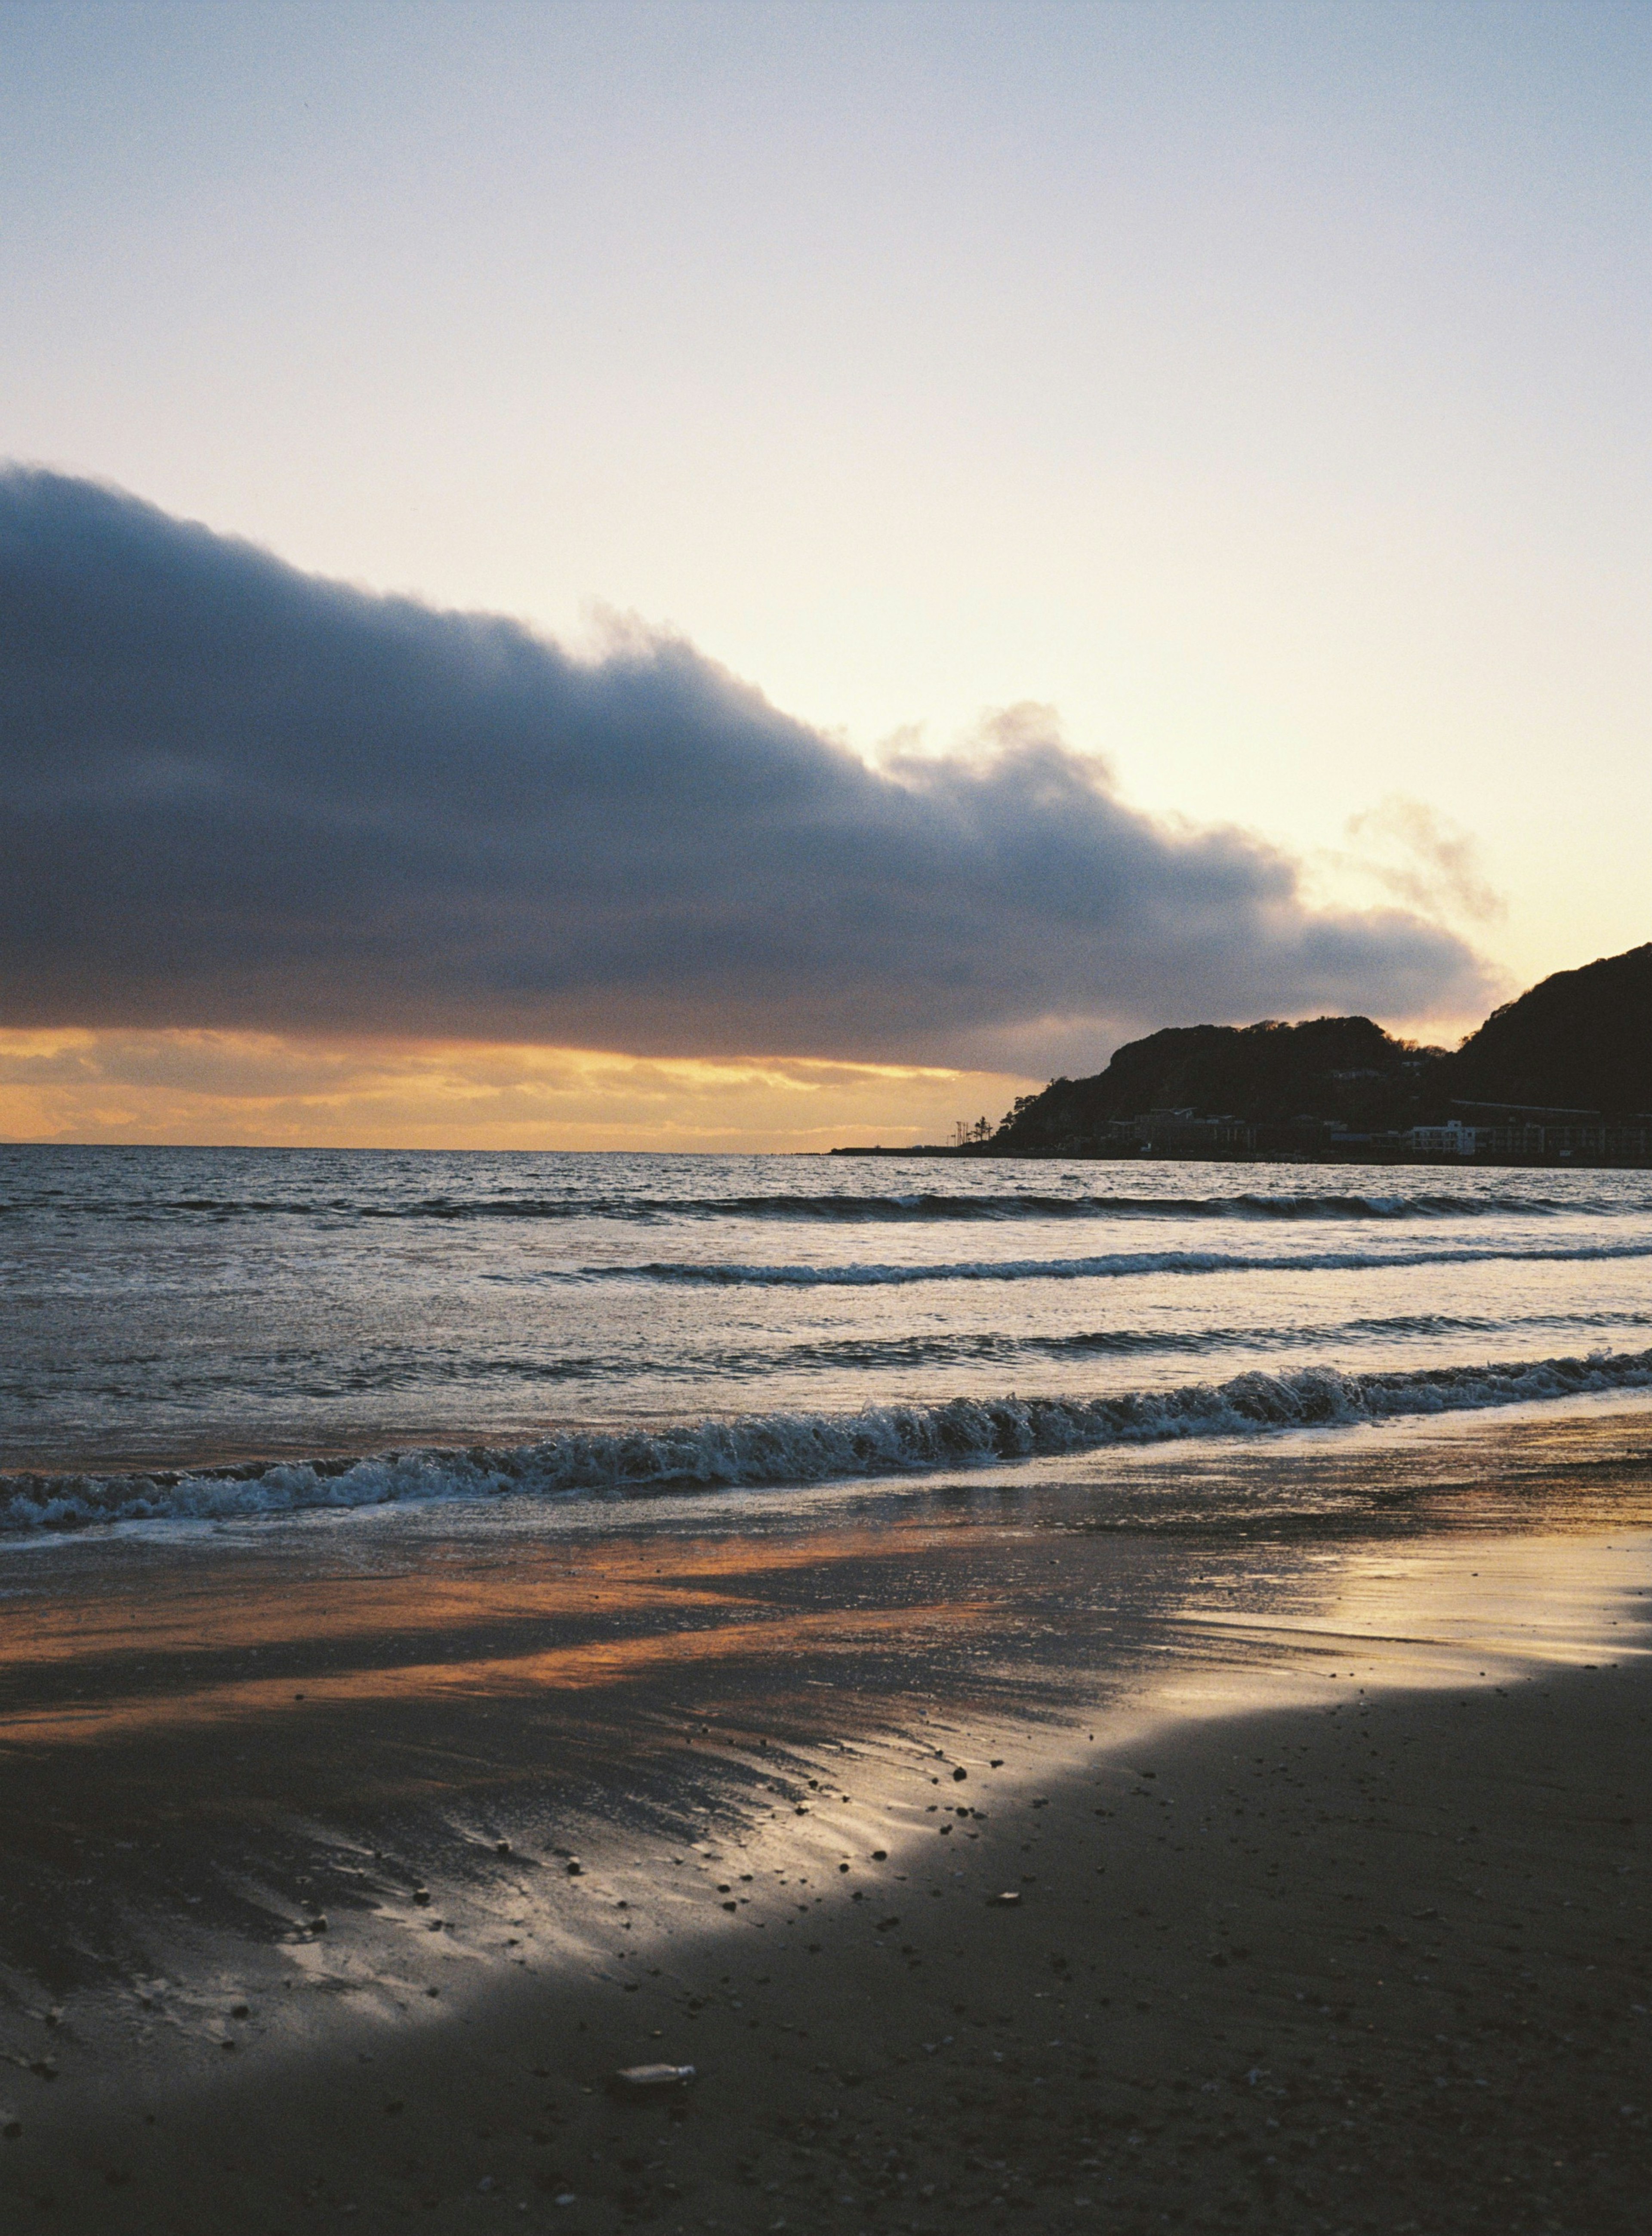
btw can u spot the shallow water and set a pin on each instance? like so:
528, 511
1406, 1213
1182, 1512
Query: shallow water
594, 1323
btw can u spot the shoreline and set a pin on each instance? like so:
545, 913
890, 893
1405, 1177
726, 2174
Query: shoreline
1327, 1155
697, 1455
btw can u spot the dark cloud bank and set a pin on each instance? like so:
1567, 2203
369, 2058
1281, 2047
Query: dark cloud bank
235, 795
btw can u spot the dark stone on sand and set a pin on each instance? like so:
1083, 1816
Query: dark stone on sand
960, 1773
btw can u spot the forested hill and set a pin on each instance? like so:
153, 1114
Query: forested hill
1581, 1040
1336, 1067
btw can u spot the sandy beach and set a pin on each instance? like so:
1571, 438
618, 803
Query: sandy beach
344, 1865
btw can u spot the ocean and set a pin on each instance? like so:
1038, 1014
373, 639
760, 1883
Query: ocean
920, 1642
193, 1334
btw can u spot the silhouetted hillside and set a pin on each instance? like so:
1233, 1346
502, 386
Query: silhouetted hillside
1581, 1040
1344, 1068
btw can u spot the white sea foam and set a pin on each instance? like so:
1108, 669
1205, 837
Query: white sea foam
802, 1448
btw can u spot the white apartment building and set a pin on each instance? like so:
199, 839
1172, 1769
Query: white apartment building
1451, 1140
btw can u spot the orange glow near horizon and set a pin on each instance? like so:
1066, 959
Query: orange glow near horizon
185, 1087
254, 1090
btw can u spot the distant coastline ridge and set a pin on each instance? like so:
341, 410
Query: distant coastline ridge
1561, 1076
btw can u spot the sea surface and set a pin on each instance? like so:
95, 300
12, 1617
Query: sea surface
190, 1333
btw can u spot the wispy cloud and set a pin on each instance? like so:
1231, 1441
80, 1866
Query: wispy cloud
1422, 858
238, 797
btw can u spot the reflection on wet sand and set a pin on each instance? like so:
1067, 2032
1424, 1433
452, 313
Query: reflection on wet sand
531, 1664
499, 1677
242, 1601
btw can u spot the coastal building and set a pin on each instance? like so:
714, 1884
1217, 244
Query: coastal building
1522, 1134
1453, 1139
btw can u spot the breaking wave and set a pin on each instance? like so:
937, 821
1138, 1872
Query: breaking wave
778, 1449
854, 1210
1118, 1264
1028, 1205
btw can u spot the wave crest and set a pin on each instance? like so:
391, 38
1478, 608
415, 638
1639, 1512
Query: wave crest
774, 1449
1115, 1265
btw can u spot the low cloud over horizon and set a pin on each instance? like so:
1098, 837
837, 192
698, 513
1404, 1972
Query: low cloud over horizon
237, 797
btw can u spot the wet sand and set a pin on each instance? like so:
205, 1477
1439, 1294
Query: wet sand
1330, 1851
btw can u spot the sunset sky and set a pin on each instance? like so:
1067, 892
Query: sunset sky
743, 577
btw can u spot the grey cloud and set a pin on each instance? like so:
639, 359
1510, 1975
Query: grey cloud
233, 795
189, 1064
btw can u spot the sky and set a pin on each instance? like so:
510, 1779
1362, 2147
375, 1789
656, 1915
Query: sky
745, 577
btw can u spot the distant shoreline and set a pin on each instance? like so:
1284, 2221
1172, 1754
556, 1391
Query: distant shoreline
1400, 1159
